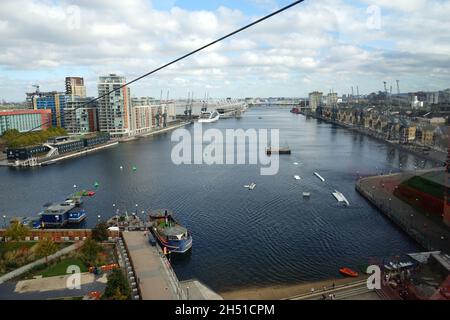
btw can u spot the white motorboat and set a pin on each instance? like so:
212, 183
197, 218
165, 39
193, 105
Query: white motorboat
250, 186
306, 194
319, 176
208, 116
296, 177
340, 197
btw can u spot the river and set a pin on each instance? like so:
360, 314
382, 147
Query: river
270, 235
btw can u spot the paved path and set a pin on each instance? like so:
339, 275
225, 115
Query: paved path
380, 191
153, 278
352, 291
19, 271
50, 288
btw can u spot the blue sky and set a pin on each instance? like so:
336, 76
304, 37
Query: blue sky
317, 45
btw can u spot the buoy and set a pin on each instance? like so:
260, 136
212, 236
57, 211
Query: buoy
121, 168
134, 168
74, 185
96, 184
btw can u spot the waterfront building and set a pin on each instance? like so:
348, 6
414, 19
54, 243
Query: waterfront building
142, 101
75, 87
144, 116
332, 99
315, 100
25, 120
114, 110
54, 101
81, 117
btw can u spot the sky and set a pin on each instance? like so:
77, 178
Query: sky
317, 45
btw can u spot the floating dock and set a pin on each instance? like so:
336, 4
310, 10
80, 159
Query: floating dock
340, 197
319, 176
284, 150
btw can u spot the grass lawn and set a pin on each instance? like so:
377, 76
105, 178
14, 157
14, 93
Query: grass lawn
60, 268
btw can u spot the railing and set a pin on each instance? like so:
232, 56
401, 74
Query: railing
173, 279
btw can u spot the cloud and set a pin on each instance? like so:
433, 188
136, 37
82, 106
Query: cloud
316, 45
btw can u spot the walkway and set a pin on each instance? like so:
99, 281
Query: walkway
380, 191
151, 271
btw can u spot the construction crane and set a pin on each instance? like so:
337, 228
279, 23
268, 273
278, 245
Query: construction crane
398, 87
37, 88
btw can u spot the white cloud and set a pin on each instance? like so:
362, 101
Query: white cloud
310, 46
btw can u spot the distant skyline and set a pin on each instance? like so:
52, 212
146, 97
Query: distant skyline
318, 45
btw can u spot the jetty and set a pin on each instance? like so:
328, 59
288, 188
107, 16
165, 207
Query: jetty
152, 273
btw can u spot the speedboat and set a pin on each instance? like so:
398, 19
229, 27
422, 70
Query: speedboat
208, 116
250, 186
170, 233
348, 272
296, 177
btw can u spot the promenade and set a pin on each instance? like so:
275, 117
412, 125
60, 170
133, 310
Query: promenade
379, 190
154, 277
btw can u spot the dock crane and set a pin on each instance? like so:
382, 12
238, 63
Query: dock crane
37, 88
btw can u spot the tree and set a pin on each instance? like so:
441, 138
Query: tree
100, 233
89, 251
117, 287
16, 231
45, 248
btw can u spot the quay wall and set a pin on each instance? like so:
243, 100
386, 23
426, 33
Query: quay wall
426, 231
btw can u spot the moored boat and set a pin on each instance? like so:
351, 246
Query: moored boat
295, 110
348, 272
76, 216
170, 233
208, 116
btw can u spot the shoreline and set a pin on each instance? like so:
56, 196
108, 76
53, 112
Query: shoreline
287, 291
438, 160
46, 162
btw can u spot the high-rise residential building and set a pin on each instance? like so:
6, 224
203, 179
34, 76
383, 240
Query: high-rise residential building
75, 87
114, 109
54, 101
81, 116
25, 120
315, 100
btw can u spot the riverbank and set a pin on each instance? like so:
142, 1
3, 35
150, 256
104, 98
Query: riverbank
379, 191
288, 291
77, 154
155, 132
438, 157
